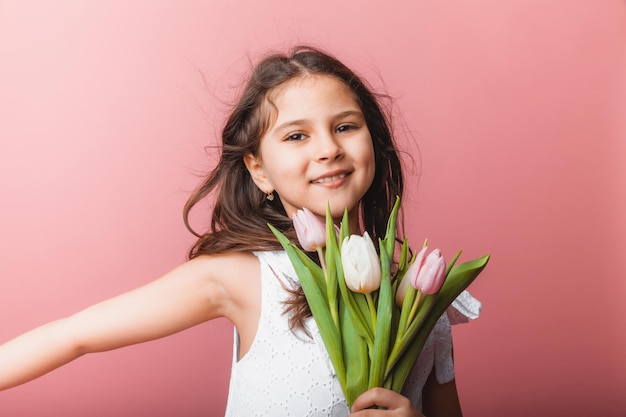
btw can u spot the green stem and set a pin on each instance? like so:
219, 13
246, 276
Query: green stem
332, 301
418, 298
320, 254
370, 304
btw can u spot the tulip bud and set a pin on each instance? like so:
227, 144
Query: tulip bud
427, 273
409, 276
401, 291
361, 265
310, 230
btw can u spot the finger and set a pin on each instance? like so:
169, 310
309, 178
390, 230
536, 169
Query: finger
380, 397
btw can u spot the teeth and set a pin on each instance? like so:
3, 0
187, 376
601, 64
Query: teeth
329, 179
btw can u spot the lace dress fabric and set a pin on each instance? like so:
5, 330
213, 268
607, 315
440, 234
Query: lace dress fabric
289, 374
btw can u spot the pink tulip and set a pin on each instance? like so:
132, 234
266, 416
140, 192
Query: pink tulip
310, 230
410, 276
427, 273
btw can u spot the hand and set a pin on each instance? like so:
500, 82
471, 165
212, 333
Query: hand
393, 404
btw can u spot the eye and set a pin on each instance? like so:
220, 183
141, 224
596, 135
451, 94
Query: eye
345, 127
295, 137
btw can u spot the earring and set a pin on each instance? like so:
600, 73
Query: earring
269, 196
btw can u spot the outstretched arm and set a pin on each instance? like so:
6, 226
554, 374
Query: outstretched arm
188, 295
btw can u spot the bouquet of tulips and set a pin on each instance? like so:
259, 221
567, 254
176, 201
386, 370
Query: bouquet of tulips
374, 310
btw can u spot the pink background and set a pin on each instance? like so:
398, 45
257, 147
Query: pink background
518, 110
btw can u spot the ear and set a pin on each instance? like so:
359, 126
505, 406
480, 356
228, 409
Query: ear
255, 168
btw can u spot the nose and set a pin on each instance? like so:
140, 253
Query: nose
328, 148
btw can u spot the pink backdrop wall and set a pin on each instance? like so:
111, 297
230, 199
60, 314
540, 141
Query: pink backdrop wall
518, 109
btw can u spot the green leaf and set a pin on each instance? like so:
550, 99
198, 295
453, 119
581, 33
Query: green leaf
355, 357
452, 262
390, 235
407, 303
344, 230
312, 267
360, 317
333, 262
383, 326
403, 262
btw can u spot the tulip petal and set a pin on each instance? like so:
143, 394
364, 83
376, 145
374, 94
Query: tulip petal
360, 263
417, 265
310, 230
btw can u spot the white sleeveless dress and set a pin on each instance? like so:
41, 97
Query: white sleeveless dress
287, 374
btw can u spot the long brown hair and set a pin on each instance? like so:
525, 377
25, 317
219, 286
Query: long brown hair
241, 211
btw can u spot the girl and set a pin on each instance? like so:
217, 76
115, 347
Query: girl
306, 131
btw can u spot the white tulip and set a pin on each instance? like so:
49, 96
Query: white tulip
361, 264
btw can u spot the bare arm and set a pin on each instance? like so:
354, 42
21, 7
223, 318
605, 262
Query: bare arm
440, 400
188, 295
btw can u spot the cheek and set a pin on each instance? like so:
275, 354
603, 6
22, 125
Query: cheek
283, 171
368, 158
288, 167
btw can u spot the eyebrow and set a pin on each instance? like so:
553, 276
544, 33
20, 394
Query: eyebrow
300, 122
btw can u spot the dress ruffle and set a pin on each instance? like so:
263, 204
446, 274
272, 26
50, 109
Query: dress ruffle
464, 308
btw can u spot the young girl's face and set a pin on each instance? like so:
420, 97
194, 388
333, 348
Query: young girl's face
317, 150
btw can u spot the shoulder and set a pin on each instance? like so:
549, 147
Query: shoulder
234, 277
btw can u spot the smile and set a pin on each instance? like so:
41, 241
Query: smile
329, 179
